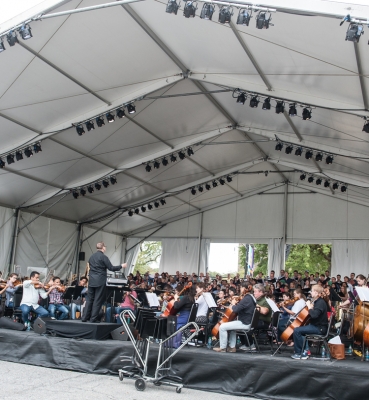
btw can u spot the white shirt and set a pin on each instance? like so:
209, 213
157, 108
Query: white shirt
30, 295
298, 306
202, 307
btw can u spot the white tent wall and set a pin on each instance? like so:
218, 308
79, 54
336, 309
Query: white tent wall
7, 222
131, 253
350, 256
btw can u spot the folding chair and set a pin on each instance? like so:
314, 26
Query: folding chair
251, 330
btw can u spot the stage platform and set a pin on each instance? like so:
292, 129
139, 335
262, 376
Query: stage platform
240, 373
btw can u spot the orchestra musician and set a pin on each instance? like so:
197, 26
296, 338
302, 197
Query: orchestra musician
127, 304
99, 264
76, 304
10, 290
318, 309
202, 310
56, 302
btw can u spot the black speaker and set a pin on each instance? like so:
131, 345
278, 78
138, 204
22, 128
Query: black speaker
82, 255
8, 323
121, 333
39, 326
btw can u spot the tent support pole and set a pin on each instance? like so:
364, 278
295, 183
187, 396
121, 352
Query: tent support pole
285, 211
15, 239
199, 249
77, 250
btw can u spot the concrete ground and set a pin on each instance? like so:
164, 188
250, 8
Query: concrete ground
28, 382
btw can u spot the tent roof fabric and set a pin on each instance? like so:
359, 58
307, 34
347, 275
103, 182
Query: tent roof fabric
181, 74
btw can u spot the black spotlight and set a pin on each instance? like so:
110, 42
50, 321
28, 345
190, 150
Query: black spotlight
113, 180
12, 39
302, 177
10, 159
156, 204
181, 155
28, 152
311, 179
82, 192
110, 117
190, 152
131, 108
25, 32
279, 146
90, 189
97, 185
80, 130
143, 208
263, 19
329, 160
18, 155
100, 121
137, 210
90, 126
279, 108
150, 206
120, 113
207, 11
193, 191
2, 164
254, 102
2, 47
130, 213
165, 161
318, 181
229, 179
366, 127
241, 99
163, 202
354, 31
298, 151
244, 17
343, 188
201, 189
105, 183
222, 181
190, 8
292, 111
173, 158
148, 167
75, 194
266, 104
326, 184
172, 7
306, 113
309, 154
289, 149
225, 15
37, 147
207, 187
215, 184
319, 157
156, 164
335, 186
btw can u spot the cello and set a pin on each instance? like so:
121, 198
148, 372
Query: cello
170, 310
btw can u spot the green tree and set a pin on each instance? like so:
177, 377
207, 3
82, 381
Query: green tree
310, 257
260, 259
148, 257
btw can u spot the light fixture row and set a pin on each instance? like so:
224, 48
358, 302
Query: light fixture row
18, 154
211, 184
12, 37
327, 183
145, 207
181, 154
97, 185
110, 117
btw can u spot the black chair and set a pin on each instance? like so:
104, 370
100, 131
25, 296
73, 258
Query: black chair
15, 310
272, 330
251, 330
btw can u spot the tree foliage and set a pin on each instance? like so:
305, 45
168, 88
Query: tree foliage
148, 257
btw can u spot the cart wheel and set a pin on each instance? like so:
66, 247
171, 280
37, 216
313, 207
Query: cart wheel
140, 384
178, 390
121, 376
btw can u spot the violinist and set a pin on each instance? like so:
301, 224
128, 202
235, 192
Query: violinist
361, 282
202, 311
76, 304
56, 302
318, 322
10, 290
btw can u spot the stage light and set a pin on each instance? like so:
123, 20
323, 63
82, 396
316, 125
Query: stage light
90, 189
120, 113
156, 164
2, 163
190, 152
298, 151
137, 211
18, 155
75, 194
279, 146
329, 160
131, 108
190, 8
181, 155
163, 202
12, 39
207, 11
10, 159
100, 121
2, 46
343, 188
143, 208
90, 126
311, 179
366, 127
193, 191
28, 152
244, 17
207, 187
309, 154
150, 206
225, 15
148, 167
173, 158
37, 147
354, 31
97, 185
263, 19
266, 104
241, 99
172, 7
319, 157
82, 191
201, 189
130, 213
292, 111
222, 181
229, 179
80, 130
302, 177
254, 102
156, 204
306, 113
25, 32
215, 184
326, 184
289, 149
335, 186
105, 183
279, 108
113, 180
318, 181
165, 161
110, 117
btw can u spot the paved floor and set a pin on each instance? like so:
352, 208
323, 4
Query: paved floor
28, 382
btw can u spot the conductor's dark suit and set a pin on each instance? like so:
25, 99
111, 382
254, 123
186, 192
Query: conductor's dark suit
99, 264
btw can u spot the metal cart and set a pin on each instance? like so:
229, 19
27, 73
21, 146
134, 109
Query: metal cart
164, 374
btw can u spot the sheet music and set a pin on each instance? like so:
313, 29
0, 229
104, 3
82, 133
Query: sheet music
363, 293
209, 300
152, 299
273, 306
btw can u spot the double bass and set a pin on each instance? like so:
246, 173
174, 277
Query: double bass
170, 310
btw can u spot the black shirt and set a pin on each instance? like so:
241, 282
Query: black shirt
183, 304
318, 315
245, 309
99, 263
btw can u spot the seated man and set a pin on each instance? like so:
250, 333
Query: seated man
76, 304
10, 290
56, 302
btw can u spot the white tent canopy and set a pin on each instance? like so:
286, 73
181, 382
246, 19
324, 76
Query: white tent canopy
181, 75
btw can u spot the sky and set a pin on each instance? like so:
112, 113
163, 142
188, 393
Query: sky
223, 257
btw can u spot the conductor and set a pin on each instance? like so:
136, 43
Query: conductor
99, 264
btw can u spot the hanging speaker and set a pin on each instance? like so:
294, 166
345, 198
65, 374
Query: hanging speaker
82, 255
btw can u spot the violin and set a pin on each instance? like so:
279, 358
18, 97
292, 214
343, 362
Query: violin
287, 303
